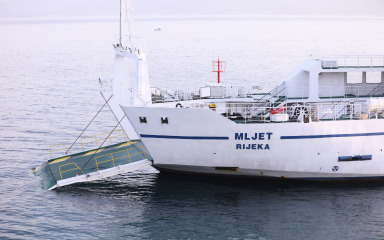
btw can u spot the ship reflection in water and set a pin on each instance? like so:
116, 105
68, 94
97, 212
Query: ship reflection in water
201, 207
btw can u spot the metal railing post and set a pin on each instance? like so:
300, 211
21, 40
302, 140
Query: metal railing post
358, 62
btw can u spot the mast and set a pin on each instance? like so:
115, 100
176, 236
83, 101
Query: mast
128, 90
125, 20
121, 9
219, 67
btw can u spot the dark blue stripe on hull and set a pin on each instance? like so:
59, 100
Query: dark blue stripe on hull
184, 137
333, 135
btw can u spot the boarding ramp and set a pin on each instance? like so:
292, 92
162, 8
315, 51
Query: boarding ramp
93, 164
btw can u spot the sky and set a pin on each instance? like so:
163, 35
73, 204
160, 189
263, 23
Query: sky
83, 8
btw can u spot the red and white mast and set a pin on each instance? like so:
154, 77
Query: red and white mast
218, 66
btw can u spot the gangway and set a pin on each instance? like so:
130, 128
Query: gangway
93, 164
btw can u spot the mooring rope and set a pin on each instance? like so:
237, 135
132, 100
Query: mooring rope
106, 102
117, 119
81, 170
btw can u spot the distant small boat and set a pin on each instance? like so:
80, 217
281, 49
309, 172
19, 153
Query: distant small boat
157, 29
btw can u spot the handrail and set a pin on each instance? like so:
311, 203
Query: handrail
358, 90
58, 144
113, 159
96, 140
332, 108
359, 61
376, 89
252, 113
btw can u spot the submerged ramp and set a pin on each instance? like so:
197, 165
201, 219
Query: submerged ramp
93, 164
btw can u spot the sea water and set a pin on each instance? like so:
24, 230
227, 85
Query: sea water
49, 72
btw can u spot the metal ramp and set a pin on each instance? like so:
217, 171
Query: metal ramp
93, 164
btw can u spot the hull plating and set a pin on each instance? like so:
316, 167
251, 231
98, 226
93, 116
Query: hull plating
200, 140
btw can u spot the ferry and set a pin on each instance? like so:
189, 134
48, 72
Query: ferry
324, 121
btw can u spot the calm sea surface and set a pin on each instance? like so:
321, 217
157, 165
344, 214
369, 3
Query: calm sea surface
49, 74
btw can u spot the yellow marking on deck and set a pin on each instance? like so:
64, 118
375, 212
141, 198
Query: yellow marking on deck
59, 160
125, 144
61, 172
92, 152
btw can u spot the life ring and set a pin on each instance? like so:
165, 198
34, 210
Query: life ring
277, 110
179, 105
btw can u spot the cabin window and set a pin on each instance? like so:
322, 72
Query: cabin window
331, 84
354, 77
373, 77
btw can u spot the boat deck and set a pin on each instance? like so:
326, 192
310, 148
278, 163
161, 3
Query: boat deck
93, 164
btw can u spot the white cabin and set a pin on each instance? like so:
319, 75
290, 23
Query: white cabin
341, 77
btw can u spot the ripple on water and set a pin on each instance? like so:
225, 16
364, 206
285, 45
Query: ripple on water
50, 92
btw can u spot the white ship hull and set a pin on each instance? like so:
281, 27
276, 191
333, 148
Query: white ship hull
203, 141
325, 121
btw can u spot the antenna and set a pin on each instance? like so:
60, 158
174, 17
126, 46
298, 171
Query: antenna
120, 22
125, 19
218, 66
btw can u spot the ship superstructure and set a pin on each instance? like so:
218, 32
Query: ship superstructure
324, 121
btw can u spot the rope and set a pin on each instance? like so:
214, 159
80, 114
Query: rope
88, 124
81, 170
114, 114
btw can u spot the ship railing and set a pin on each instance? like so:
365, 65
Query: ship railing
295, 112
352, 91
95, 140
114, 156
252, 112
101, 162
132, 43
339, 111
352, 61
358, 90
58, 148
163, 96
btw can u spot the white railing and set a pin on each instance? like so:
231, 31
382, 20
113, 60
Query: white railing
132, 43
348, 91
96, 140
258, 112
340, 110
356, 90
354, 61
161, 96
